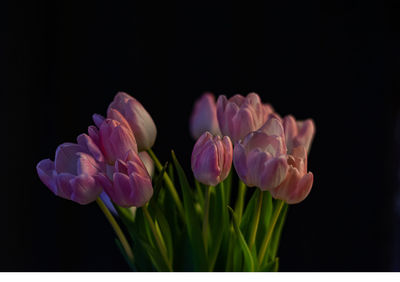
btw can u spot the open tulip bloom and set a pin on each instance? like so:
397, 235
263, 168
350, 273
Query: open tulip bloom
248, 165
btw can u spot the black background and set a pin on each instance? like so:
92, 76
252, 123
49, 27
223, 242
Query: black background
336, 62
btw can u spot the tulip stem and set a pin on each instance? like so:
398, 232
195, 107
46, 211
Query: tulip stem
205, 218
117, 229
240, 201
255, 221
159, 240
169, 183
267, 239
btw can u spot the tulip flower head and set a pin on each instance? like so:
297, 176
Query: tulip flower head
71, 175
238, 115
298, 133
297, 184
137, 117
212, 158
204, 117
115, 140
260, 159
127, 183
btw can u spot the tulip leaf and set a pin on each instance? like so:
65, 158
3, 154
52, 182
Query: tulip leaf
121, 249
155, 256
265, 217
270, 266
273, 248
219, 223
158, 181
126, 216
165, 230
248, 215
247, 255
193, 222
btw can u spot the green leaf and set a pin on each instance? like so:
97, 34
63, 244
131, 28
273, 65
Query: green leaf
248, 258
155, 256
271, 266
158, 181
265, 218
165, 230
248, 215
193, 222
274, 244
121, 249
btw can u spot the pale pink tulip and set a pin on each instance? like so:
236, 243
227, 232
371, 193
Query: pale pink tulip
115, 140
298, 133
148, 162
240, 115
204, 117
212, 158
71, 175
260, 158
137, 117
127, 183
297, 185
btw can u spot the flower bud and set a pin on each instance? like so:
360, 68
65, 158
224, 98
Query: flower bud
212, 159
297, 184
115, 140
137, 117
204, 117
260, 159
240, 115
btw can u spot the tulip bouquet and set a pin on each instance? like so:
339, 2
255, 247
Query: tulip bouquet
164, 220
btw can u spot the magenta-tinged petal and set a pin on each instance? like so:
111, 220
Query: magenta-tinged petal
47, 173
121, 190
67, 157
120, 166
86, 164
204, 117
228, 156
93, 132
138, 118
64, 189
142, 190
98, 119
90, 147
302, 190
84, 189
103, 181
274, 173
240, 162
116, 115
273, 127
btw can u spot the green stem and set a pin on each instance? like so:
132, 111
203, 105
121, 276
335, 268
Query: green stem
205, 218
267, 239
255, 221
160, 243
117, 229
240, 201
169, 183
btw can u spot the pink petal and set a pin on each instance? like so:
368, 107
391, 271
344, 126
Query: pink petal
90, 147
47, 174
98, 119
64, 189
67, 157
84, 189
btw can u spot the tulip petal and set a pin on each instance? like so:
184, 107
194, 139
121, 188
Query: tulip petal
67, 157
84, 189
90, 147
47, 174
98, 120
64, 189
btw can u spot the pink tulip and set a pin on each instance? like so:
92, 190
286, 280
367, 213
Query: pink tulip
298, 182
71, 175
240, 115
148, 162
137, 117
128, 183
260, 159
204, 117
298, 133
115, 140
212, 158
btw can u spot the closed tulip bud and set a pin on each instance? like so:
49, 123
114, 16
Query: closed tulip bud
129, 183
260, 158
212, 159
240, 115
115, 140
298, 133
297, 184
137, 117
204, 117
71, 175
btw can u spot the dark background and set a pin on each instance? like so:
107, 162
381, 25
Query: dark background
336, 62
